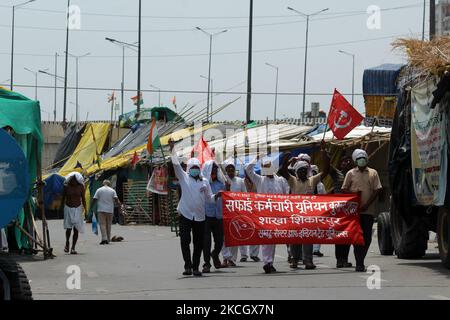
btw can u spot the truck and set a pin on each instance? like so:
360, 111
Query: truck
418, 167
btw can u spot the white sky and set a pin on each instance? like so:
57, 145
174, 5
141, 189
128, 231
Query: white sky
327, 68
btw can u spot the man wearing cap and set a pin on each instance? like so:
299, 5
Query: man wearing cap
302, 184
366, 182
196, 191
270, 183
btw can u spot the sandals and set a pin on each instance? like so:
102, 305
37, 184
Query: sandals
72, 251
66, 248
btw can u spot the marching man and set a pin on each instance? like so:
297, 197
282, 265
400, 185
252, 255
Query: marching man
268, 182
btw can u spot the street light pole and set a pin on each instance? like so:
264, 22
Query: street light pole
56, 79
210, 94
353, 73
249, 71
159, 94
276, 90
123, 45
12, 40
77, 83
35, 73
66, 64
306, 53
139, 62
210, 35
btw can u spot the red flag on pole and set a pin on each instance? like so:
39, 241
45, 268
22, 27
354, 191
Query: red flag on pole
342, 118
135, 159
202, 152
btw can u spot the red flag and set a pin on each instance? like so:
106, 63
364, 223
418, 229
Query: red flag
135, 159
202, 152
342, 118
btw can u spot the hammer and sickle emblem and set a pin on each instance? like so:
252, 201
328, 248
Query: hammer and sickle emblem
343, 116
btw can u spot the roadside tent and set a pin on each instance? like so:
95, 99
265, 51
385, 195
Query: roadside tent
24, 117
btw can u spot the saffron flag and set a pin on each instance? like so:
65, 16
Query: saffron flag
135, 100
202, 152
112, 97
135, 159
174, 102
153, 138
342, 118
256, 219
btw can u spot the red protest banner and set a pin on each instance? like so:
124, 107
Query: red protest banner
255, 219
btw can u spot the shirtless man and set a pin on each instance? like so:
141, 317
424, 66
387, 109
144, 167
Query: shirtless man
73, 203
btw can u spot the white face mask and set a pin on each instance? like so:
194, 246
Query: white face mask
361, 162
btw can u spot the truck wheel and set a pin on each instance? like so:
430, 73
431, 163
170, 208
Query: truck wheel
384, 234
443, 235
410, 239
18, 281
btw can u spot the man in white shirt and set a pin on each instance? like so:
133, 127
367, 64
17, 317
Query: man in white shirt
268, 182
195, 192
105, 198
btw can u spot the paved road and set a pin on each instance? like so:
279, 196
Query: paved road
147, 265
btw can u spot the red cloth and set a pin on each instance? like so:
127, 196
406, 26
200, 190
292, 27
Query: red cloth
135, 159
255, 219
342, 118
202, 152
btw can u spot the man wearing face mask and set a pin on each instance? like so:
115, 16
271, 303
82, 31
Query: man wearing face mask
213, 222
363, 180
196, 192
268, 182
302, 184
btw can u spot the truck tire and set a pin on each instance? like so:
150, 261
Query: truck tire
410, 239
443, 235
384, 234
18, 281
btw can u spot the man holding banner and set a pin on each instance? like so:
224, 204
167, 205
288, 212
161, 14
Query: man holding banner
303, 184
267, 182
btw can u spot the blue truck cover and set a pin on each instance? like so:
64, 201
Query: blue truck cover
382, 80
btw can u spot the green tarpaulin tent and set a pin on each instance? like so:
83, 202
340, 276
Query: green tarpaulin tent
24, 117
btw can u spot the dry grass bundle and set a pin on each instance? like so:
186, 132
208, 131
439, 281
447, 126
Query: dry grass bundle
427, 56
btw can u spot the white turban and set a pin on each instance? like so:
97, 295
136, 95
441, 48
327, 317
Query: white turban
301, 164
193, 162
304, 157
315, 168
268, 167
359, 153
229, 162
207, 170
77, 176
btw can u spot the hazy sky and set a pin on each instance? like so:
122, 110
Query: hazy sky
175, 54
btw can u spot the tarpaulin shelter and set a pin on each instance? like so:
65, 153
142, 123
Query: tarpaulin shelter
24, 117
67, 146
89, 148
165, 114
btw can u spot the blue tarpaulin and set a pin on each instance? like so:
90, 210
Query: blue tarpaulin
381, 80
54, 187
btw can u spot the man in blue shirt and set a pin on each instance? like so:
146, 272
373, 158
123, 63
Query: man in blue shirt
213, 211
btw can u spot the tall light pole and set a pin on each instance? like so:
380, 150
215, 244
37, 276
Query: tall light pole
306, 53
77, 58
250, 58
35, 73
210, 94
159, 94
139, 61
12, 40
56, 79
276, 90
353, 73
66, 64
211, 36
123, 45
